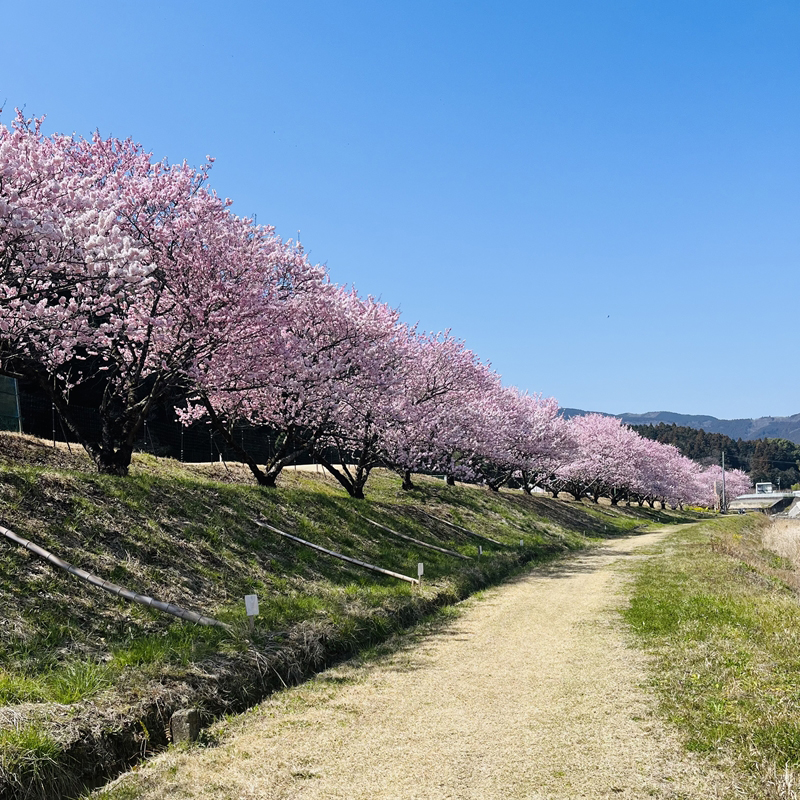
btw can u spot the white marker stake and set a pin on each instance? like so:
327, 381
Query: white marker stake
420, 572
521, 543
480, 550
251, 607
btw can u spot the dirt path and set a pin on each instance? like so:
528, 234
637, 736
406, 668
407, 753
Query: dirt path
530, 693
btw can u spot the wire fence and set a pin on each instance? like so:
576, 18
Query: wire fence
158, 436
9, 405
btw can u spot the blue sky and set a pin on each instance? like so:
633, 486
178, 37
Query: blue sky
601, 198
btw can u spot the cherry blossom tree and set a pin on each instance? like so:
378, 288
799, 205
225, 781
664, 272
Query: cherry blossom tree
604, 464
661, 474
708, 487
441, 378
541, 444
116, 271
285, 378
613, 461
364, 408
520, 434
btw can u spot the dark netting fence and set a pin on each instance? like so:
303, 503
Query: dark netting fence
9, 405
160, 435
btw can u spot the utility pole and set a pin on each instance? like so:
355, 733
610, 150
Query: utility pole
724, 501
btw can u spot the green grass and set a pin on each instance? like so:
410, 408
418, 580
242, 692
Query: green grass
69, 683
185, 534
30, 757
18, 688
28, 744
725, 634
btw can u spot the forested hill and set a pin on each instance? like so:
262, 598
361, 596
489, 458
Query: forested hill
759, 428
776, 460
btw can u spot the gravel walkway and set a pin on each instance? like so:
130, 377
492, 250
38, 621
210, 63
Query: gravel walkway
531, 693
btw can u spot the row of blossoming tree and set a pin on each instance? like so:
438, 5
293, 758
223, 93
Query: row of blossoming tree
133, 277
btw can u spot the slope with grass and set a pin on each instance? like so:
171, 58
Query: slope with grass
88, 682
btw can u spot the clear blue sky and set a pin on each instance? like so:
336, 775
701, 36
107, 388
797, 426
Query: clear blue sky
601, 197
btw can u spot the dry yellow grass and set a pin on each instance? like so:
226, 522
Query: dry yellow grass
782, 537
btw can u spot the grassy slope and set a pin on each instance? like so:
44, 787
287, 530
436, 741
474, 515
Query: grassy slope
82, 672
716, 612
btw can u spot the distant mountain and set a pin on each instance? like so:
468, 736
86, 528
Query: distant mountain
761, 428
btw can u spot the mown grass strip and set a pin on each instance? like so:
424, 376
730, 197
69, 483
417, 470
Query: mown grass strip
726, 641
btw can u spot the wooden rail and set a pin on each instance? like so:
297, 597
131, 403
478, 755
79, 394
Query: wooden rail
416, 541
463, 530
113, 588
325, 550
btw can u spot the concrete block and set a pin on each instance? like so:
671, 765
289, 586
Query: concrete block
184, 725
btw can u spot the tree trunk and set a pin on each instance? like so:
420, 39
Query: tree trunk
497, 481
450, 480
353, 484
114, 462
113, 454
262, 478
407, 484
